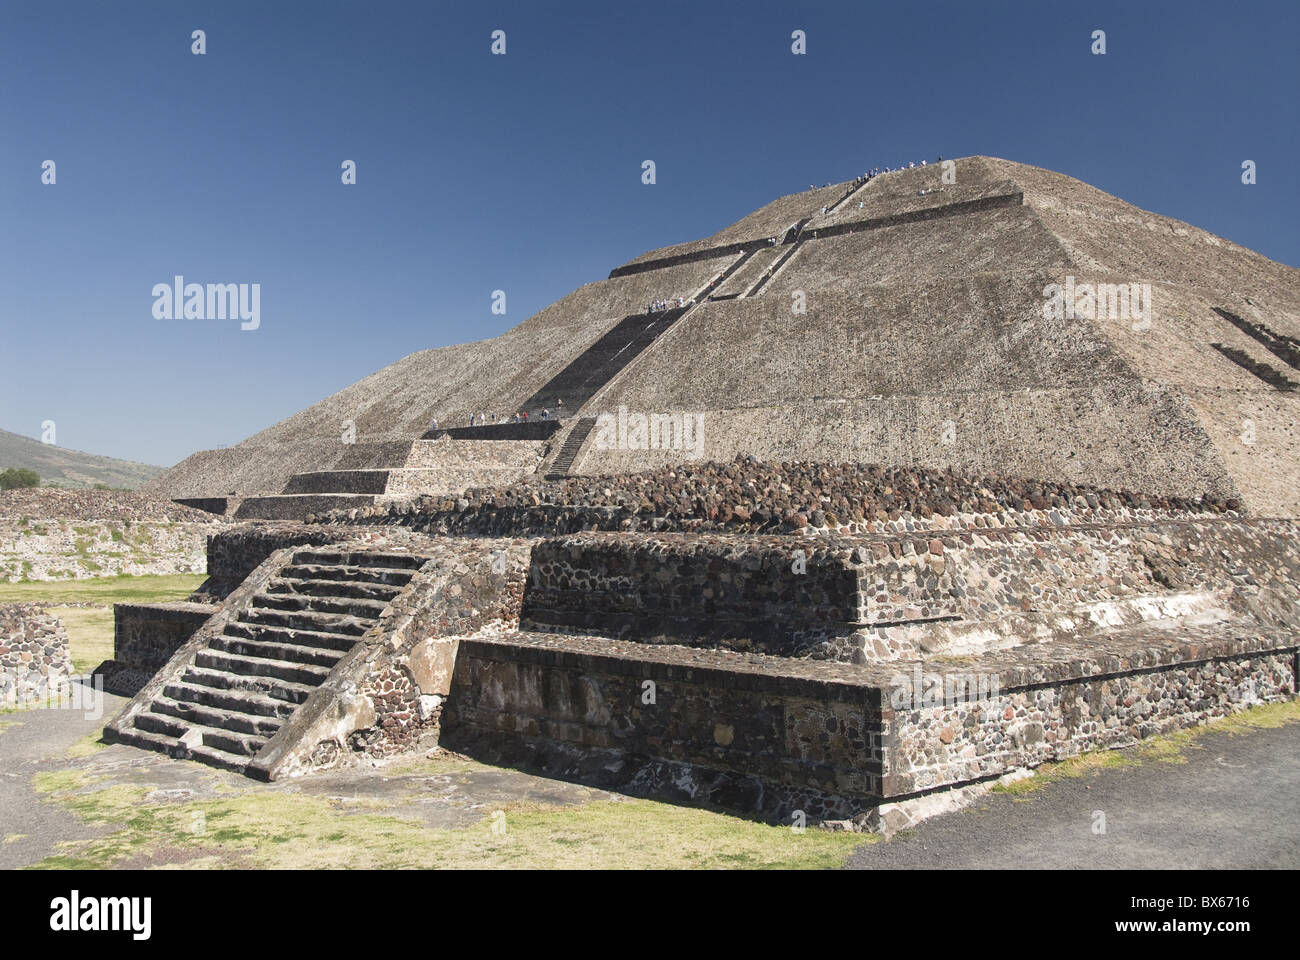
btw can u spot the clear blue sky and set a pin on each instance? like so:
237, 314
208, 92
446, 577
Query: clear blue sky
522, 173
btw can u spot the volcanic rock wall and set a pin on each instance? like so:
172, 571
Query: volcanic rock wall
35, 665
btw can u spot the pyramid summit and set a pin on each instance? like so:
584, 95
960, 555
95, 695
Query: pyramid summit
981, 315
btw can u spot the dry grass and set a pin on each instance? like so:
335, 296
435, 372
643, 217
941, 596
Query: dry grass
264, 829
1166, 748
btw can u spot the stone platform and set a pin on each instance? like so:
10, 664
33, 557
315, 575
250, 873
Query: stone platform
769, 736
765, 674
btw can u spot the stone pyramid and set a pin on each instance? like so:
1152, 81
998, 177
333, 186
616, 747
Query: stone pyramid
945, 316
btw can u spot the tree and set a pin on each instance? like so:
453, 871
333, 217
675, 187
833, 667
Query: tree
16, 477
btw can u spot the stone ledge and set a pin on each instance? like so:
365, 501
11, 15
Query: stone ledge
740, 671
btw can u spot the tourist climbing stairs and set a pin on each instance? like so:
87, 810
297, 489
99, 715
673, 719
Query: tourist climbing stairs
857, 185
563, 462
781, 261
239, 689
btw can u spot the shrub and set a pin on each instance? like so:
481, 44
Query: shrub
16, 477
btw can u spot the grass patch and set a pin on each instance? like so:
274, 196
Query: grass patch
261, 827
87, 745
105, 591
90, 635
1165, 748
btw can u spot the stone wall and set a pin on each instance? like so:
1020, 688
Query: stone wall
889, 595
759, 734
35, 665
519, 460
768, 736
51, 549
746, 496
761, 593
145, 637
1099, 433
1108, 697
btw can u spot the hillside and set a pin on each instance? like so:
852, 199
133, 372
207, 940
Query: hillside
71, 468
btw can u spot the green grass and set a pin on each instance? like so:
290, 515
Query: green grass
103, 590
90, 635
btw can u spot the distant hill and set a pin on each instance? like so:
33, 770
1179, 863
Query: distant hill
70, 468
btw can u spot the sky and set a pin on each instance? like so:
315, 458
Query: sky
521, 172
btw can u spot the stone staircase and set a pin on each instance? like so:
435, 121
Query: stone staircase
775, 268
563, 462
857, 185
238, 689
742, 279
596, 365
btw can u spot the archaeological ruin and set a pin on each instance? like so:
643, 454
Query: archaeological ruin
829, 512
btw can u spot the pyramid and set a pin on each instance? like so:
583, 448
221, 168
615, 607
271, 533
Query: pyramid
918, 318
972, 445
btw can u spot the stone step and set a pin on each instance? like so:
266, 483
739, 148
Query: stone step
352, 606
773, 270
237, 743
279, 652
232, 720
219, 758
242, 701
360, 558
309, 674
145, 740
333, 589
569, 449
744, 278
149, 741
338, 642
347, 574
591, 370
307, 620
289, 691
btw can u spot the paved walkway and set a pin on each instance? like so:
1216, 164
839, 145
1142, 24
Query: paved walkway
1235, 803
30, 828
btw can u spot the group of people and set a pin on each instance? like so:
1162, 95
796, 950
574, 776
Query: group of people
656, 306
877, 171
911, 165
520, 416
